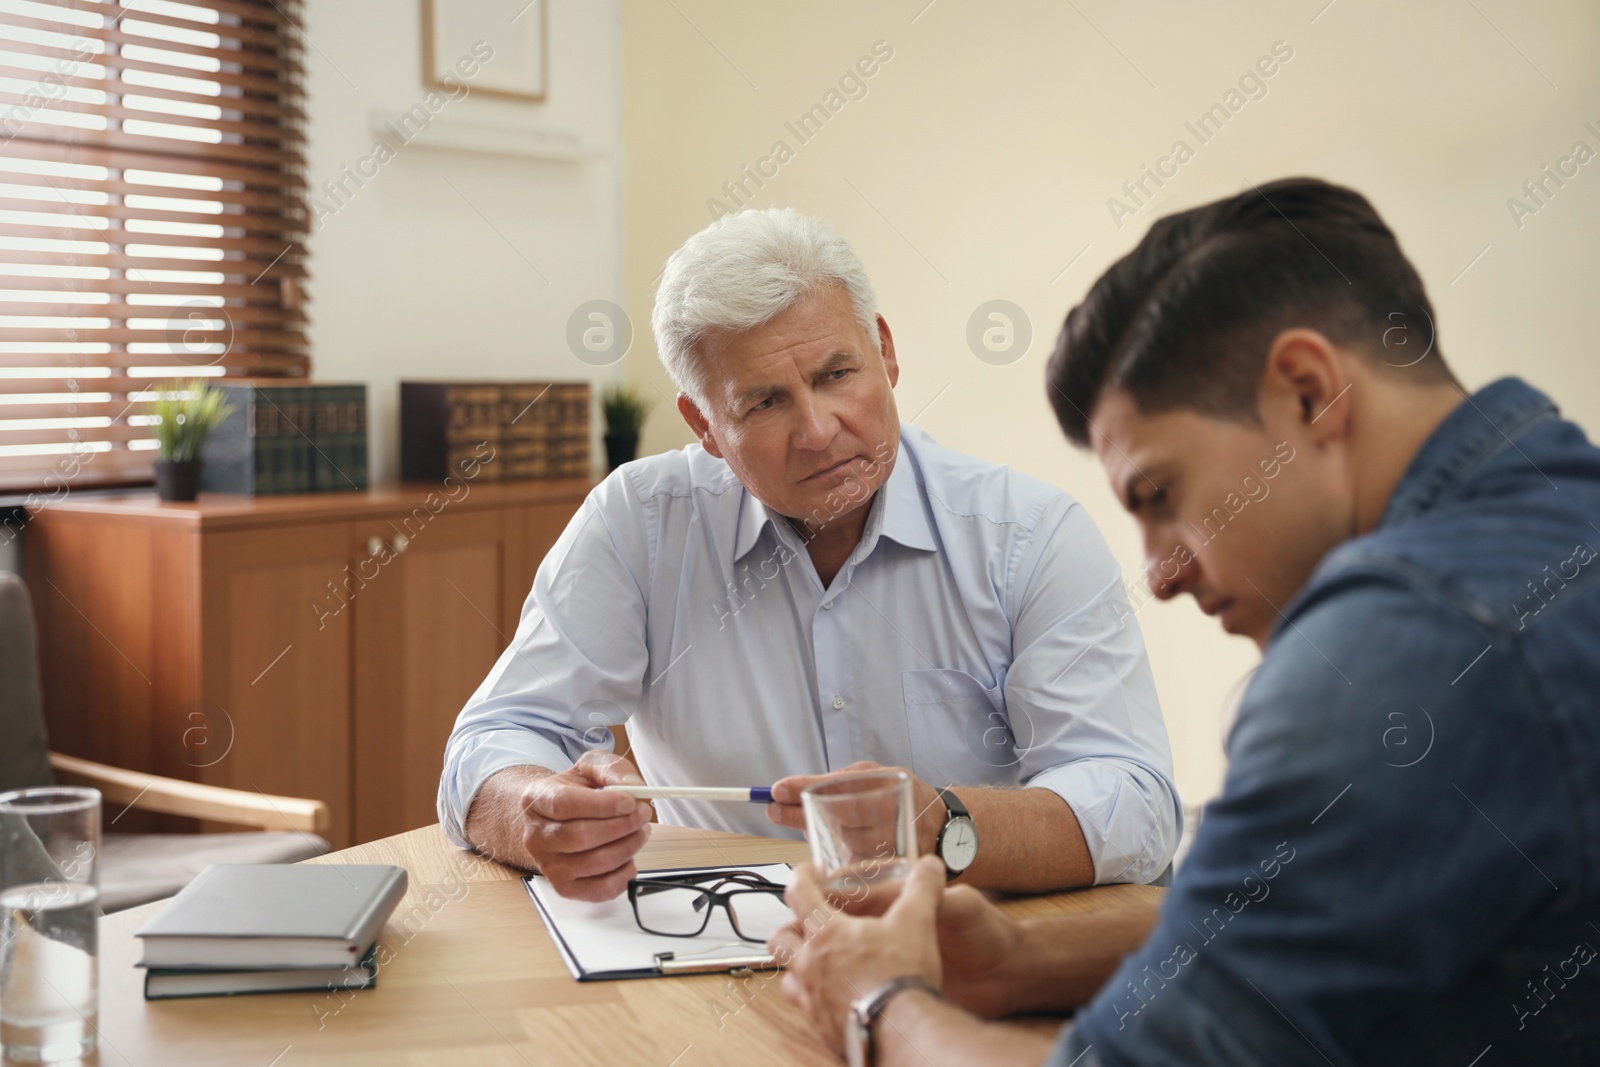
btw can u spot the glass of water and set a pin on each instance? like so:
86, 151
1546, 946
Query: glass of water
49, 905
862, 828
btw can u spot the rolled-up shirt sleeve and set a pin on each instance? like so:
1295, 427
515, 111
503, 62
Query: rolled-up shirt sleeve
1082, 701
576, 664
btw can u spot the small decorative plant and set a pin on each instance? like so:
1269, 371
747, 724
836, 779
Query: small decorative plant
624, 408
187, 412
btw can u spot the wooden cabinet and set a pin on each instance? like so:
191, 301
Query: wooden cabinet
314, 646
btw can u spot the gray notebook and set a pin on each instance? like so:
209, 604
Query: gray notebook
237, 916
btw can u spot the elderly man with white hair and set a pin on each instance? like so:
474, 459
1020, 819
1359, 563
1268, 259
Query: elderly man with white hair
814, 588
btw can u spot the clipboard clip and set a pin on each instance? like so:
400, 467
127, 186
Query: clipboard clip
668, 963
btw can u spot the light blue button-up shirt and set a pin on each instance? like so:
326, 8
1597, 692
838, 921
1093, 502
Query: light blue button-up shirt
979, 634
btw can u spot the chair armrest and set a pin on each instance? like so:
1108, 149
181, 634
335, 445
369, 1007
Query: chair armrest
171, 796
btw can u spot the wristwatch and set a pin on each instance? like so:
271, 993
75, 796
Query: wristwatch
859, 1050
958, 837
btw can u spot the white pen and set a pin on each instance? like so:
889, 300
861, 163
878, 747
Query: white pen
753, 794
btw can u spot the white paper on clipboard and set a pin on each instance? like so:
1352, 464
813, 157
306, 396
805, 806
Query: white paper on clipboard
603, 941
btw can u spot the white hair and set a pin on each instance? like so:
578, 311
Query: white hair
741, 272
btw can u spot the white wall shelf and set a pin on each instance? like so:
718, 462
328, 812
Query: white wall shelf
452, 134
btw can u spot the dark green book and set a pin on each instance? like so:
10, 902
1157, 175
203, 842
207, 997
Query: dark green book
167, 983
303, 428
248, 451
339, 461
353, 434
323, 412
289, 437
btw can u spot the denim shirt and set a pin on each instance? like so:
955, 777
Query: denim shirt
1402, 866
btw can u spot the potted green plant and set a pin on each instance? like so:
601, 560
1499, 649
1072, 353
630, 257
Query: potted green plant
625, 409
186, 413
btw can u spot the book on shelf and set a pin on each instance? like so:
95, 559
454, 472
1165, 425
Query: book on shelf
492, 431
256, 916
286, 436
339, 417
169, 983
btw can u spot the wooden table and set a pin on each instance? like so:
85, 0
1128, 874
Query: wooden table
474, 979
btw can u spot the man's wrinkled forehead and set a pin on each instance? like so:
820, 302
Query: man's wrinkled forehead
813, 335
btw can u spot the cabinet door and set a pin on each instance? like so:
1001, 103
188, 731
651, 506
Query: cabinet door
429, 625
275, 715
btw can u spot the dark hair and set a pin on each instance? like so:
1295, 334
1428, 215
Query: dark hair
1185, 320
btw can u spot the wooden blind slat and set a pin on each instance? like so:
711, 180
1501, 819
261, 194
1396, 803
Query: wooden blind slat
290, 266
233, 222
255, 83
71, 409
128, 159
266, 131
81, 356
268, 109
227, 51
34, 130
258, 363
262, 202
259, 245
234, 292
115, 384
269, 15
245, 33
114, 432
236, 313
183, 335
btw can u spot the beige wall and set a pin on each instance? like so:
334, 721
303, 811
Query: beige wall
450, 262
980, 161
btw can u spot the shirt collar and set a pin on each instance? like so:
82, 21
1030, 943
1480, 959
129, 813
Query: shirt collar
898, 513
905, 513
1480, 427
753, 518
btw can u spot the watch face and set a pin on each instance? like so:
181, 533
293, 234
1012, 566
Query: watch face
959, 845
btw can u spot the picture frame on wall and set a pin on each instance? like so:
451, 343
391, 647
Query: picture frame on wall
517, 30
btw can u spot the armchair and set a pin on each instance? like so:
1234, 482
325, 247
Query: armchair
137, 868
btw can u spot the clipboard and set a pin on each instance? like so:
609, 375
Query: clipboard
603, 942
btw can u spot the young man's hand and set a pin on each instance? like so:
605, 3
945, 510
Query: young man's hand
833, 957
977, 942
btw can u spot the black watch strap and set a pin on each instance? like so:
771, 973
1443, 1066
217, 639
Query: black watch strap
952, 804
954, 809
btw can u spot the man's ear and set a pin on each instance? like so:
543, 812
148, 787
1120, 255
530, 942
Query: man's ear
886, 350
1307, 381
697, 422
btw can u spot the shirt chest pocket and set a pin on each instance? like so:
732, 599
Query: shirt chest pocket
960, 734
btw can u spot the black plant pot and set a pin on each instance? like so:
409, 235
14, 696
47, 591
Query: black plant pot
178, 479
620, 448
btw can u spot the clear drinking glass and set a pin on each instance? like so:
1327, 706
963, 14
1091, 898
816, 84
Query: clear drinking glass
862, 827
49, 906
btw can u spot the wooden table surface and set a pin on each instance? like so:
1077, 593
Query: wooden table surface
474, 979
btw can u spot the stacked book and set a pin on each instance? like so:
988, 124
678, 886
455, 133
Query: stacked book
288, 437
270, 928
494, 431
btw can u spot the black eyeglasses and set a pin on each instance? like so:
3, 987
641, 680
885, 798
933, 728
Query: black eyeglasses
681, 906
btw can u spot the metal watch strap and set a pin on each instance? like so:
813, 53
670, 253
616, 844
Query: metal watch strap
868, 1008
953, 809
